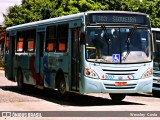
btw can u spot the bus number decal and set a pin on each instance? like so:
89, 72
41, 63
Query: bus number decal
131, 77
110, 76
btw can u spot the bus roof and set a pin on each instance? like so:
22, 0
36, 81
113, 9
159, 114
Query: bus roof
155, 29
65, 18
45, 22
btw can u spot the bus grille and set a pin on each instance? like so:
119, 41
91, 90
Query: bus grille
156, 85
112, 86
156, 74
120, 71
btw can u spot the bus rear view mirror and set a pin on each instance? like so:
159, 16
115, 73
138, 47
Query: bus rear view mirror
82, 38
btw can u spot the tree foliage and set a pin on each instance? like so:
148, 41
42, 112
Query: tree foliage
34, 10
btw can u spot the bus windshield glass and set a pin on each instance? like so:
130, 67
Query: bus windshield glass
118, 45
158, 40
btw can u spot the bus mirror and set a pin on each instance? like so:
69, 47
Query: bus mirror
82, 38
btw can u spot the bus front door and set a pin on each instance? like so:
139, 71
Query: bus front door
75, 60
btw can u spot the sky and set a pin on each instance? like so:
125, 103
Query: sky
4, 4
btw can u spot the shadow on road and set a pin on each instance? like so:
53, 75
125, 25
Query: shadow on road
76, 99
145, 95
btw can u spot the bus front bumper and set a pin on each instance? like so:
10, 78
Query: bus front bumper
90, 85
156, 83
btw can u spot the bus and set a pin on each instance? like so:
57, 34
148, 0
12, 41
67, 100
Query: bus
88, 52
156, 61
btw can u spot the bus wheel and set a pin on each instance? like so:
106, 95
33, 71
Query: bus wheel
156, 93
20, 80
63, 94
117, 97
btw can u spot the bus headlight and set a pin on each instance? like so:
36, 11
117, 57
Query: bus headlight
147, 73
90, 73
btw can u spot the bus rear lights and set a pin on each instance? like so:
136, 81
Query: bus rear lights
90, 73
147, 73
120, 83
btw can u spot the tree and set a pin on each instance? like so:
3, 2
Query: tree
14, 16
30, 10
150, 7
114, 4
34, 10
66, 7
37, 9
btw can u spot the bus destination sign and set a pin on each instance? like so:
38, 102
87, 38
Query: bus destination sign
117, 18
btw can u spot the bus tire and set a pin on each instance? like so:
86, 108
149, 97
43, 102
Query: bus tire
20, 83
117, 97
62, 92
156, 93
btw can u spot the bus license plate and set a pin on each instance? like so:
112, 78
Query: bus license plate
120, 83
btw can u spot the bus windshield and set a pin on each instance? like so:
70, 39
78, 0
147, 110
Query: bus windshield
118, 45
158, 40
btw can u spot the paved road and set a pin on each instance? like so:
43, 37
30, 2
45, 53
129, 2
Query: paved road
37, 100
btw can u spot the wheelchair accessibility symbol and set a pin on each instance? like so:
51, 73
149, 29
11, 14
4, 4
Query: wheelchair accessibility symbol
116, 58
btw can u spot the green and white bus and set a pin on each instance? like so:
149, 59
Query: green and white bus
89, 52
156, 62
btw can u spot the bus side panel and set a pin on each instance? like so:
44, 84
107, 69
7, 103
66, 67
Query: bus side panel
51, 64
7, 64
48, 73
25, 62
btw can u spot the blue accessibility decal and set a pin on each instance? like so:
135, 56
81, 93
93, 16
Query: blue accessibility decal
116, 58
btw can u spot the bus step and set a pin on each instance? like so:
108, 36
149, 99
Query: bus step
39, 87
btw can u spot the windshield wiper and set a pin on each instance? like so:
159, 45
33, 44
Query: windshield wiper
106, 36
103, 59
128, 42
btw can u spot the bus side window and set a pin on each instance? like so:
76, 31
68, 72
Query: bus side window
62, 36
20, 42
61, 47
50, 47
20, 46
31, 37
51, 38
7, 43
31, 45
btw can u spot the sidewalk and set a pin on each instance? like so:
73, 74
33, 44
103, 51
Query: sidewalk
1, 71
